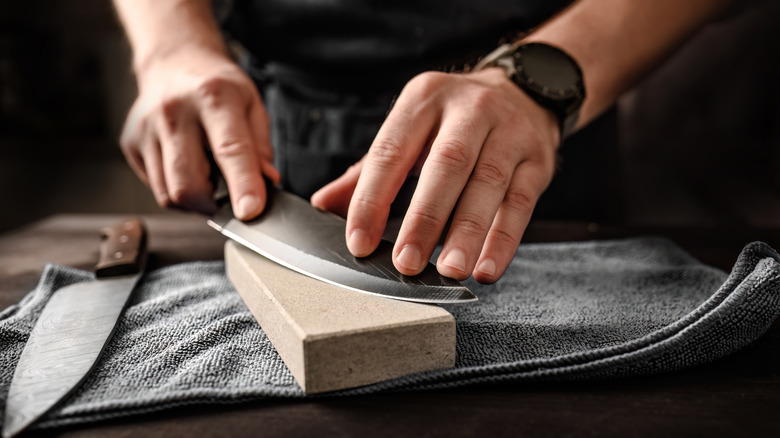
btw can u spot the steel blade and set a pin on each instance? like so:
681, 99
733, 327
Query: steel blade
64, 345
294, 234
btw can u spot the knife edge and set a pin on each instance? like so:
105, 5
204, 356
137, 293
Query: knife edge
340, 275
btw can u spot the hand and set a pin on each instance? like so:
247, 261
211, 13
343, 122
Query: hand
485, 151
192, 99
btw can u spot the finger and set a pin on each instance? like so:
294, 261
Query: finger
268, 169
259, 125
444, 175
392, 154
478, 204
335, 196
130, 142
225, 119
528, 182
136, 162
152, 158
184, 160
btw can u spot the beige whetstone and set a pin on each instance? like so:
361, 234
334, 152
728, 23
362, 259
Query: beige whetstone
334, 338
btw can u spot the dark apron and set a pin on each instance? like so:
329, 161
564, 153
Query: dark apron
326, 106
318, 134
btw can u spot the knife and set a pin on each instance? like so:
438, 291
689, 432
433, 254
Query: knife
73, 329
298, 236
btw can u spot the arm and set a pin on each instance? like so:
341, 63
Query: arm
158, 29
486, 149
188, 87
616, 42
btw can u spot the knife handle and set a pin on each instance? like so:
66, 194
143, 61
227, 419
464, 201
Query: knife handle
122, 249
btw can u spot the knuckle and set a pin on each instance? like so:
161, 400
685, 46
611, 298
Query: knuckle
491, 174
506, 238
487, 101
452, 153
211, 91
364, 202
367, 206
424, 220
519, 201
388, 151
483, 98
170, 108
228, 148
470, 224
426, 83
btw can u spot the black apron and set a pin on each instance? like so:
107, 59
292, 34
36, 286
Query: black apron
328, 72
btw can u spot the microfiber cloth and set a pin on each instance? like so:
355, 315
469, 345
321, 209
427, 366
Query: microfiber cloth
563, 312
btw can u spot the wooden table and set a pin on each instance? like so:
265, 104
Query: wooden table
736, 396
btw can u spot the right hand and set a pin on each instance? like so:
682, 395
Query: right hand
188, 100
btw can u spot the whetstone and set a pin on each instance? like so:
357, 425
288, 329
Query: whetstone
334, 338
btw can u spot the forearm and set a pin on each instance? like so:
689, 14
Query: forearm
617, 41
156, 29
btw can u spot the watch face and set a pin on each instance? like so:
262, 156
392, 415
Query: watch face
548, 71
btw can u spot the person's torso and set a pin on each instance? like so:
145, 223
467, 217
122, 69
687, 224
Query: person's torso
380, 37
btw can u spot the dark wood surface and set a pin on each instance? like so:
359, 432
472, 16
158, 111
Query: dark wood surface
736, 396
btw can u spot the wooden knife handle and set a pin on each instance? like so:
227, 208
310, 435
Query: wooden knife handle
122, 249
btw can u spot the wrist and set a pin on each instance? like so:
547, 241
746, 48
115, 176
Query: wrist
546, 74
180, 53
161, 30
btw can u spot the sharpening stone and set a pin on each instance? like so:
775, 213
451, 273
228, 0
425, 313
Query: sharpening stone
335, 338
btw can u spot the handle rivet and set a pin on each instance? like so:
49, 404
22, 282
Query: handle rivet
118, 255
124, 238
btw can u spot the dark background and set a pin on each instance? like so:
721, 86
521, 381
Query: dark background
699, 140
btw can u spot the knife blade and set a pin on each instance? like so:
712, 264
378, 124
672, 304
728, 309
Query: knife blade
73, 329
298, 236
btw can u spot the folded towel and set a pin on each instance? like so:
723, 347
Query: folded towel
564, 311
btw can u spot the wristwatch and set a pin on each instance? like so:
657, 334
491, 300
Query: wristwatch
547, 74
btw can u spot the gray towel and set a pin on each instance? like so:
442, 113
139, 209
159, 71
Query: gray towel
568, 311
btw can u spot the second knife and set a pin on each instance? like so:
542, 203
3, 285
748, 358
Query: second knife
73, 329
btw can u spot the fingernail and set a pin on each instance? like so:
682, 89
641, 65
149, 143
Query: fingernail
358, 243
410, 258
487, 267
247, 206
455, 259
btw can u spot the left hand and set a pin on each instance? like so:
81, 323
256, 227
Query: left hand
486, 151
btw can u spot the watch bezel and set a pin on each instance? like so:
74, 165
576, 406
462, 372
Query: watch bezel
575, 91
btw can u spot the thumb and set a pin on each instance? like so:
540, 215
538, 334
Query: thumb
335, 196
